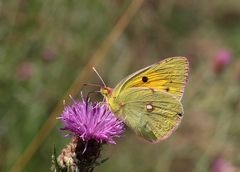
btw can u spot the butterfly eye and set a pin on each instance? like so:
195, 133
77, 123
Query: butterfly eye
144, 79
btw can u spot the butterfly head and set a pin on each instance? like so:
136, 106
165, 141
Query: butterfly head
106, 91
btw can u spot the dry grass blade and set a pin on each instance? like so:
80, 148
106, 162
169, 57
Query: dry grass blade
74, 89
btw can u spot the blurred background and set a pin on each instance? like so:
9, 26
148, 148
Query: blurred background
45, 44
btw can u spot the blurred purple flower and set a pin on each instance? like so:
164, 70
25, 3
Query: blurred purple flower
222, 59
91, 121
221, 165
24, 71
48, 55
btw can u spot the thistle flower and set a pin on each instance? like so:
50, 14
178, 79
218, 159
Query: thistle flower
48, 55
222, 165
92, 125
91, 121
222, 59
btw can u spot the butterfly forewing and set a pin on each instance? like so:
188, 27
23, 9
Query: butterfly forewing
169, 75
152, 114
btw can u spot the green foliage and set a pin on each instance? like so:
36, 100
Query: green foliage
55, 167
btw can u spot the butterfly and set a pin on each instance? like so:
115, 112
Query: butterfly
148, 101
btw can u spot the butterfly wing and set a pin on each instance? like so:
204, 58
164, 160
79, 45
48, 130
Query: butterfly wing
152, 114
169, 75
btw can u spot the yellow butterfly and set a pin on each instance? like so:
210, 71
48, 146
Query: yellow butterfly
148, 101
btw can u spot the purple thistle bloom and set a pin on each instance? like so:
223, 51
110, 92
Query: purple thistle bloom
222, 165
91, 121
222, 59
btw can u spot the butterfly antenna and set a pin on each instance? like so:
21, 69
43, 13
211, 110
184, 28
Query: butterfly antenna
88, 84
99, 76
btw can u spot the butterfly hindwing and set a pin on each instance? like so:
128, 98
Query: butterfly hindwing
152, 114
169, 75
